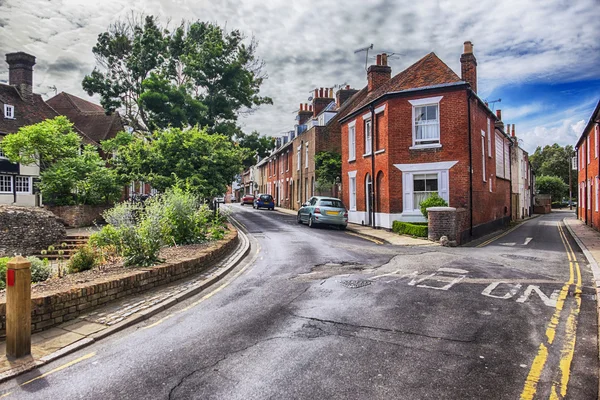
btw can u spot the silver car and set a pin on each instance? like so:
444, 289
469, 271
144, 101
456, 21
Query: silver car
323, 211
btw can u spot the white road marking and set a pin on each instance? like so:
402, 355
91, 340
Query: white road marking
511, 291
527, 241
457, 279
549, 301
507, 244
454, 270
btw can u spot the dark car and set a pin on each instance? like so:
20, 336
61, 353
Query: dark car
264, 201
248, 199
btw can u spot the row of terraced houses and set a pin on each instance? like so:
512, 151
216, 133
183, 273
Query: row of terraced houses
588, 171
402, 138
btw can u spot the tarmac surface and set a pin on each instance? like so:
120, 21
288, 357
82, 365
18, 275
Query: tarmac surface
321, 314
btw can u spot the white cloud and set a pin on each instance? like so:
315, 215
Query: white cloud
310, 43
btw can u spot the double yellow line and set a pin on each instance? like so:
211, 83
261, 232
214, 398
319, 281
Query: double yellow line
561, 380
498, 236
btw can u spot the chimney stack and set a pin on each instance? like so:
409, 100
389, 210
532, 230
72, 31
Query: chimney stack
499, 124
378, 74
320, 102
20, 72
468, 66
343, 95
499, 114
304, 114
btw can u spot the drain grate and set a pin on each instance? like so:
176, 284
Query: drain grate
355, 284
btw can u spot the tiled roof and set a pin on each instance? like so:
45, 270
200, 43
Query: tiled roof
595, 118
88, 118
26, 112
428, 71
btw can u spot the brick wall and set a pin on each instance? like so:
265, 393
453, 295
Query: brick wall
78, 216
587, 173
448, 221
54, 309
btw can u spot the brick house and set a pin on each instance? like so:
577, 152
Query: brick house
423, 131
522, 178
20, 107
588, 171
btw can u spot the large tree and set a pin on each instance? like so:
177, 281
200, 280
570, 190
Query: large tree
553, 160
192, 158
258, 146
552, 185
196, 74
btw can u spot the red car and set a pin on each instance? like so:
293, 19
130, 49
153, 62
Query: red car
248, 199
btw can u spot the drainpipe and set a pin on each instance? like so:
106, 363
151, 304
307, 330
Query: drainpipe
510, 155
470, 164
372, 194
587, 185
301, 183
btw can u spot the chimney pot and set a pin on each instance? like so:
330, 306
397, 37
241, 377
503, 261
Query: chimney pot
384, 59
300, 106
468, 47
347, 86
378, 59
499, 114
513, 130
316, 93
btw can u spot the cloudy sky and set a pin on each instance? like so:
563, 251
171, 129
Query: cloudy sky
540, 57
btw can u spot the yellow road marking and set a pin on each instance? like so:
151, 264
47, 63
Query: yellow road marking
568, 349
498, 237
365, 237
67, 365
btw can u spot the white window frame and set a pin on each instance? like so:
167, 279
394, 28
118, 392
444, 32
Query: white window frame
306, 161
352, 190
287, 161
352, 141
368, 125
596, 141
9, 111
483, 155
429, 101
27, 179
489, 139
11, 182
298, 154
587, 147
597, 191
589, 194
499, 161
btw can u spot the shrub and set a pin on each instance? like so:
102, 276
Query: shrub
108, 236
418, 229
3, 262
432, 201
84, 259
40, 269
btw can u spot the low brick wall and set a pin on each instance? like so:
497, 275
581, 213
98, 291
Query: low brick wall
56, 308
78, 216
447, 221
27, 230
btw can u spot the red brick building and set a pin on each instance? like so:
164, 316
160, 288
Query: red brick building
423, 131
588, 171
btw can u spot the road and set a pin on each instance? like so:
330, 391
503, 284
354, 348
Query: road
321, 314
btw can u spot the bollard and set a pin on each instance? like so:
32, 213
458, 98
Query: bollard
18, 307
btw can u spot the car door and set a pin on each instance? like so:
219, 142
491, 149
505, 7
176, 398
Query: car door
305, 210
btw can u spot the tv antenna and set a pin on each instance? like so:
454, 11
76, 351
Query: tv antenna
366, 49
53, 87
493, 103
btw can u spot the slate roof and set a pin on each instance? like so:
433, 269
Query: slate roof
26, 112
427, 72
595, 118
89, 118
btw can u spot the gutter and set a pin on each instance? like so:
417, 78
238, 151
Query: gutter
469, 94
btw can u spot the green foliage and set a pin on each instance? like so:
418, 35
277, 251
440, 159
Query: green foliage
42, 144
413, 229
190, 158
195, 74
552, 185
258, 146
432, 201
40, 269
328, 167
3, 267
84, 259
553, 160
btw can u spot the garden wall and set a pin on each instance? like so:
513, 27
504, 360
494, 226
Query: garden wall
54, 309
27, 230
78, 216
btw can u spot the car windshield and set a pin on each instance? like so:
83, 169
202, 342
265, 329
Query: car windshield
266, 198
331, 203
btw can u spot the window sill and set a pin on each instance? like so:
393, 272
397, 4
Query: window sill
367, 155
9, 118
380, 151
353, 160
426, 146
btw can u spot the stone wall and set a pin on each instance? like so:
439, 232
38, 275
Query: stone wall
447, 221
78, 216
27, 230
54, 309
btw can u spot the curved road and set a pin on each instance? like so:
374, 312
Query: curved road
320, 314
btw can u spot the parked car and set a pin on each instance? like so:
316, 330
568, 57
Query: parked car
264, 201
248, 199
323, 211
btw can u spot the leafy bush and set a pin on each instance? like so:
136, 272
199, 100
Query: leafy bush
84, 259
418, 229
552, 185
432, 201
3, 262
40, 269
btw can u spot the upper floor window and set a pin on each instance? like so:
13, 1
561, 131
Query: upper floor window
9, 111
352, 141
306, 161
6, 184
426, 122
368, 137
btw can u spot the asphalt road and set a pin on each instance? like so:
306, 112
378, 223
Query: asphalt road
321, 314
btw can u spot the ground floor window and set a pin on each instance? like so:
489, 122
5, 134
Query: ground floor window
424, 185
352, 193
23, 184
6, 184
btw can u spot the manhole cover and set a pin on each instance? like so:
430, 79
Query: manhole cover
517, 257
355, 284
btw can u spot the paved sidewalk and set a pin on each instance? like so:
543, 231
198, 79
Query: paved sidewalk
103, 321
589, 241
378, 234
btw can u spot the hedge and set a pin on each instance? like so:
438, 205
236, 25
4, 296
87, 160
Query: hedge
414, 229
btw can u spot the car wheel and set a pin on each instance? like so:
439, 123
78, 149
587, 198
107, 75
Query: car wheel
311, 224
272, 208
342, 227
299, 219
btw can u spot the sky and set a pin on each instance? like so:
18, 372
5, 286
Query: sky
540, 58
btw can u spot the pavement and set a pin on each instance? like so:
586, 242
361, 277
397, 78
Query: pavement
320, 314
377, 234
115, 316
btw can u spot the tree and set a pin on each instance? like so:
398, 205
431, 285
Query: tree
258, 146
198, 74
553, 160
192, 158
552, 185
328, 167
67, 177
